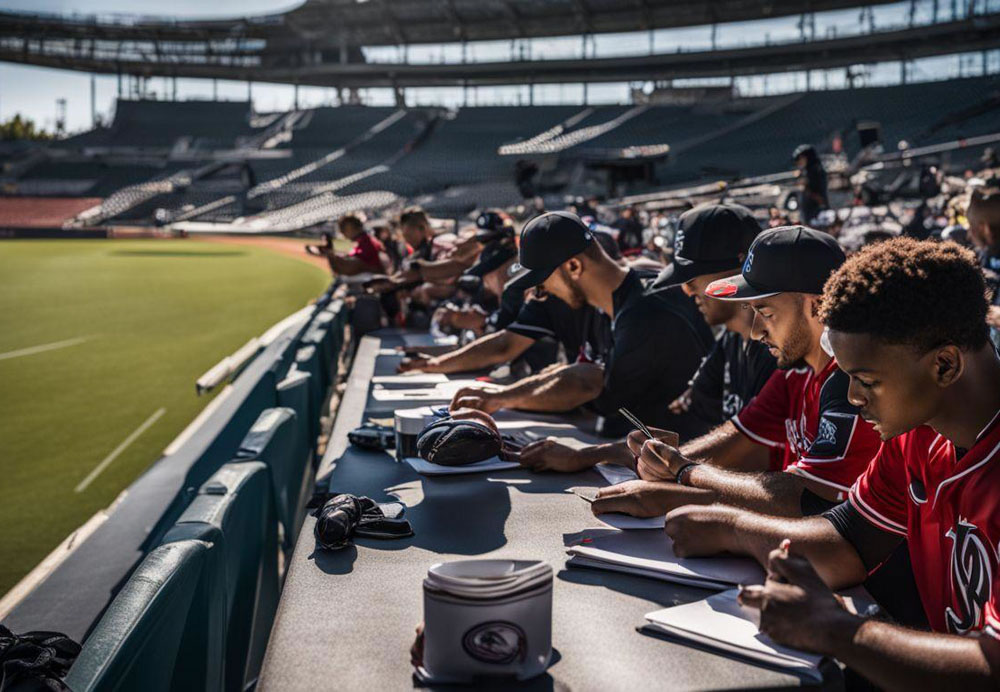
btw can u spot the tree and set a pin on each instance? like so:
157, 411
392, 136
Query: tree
18, 128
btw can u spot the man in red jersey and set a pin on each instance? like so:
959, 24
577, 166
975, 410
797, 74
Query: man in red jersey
367, 255
801, 415
907, 324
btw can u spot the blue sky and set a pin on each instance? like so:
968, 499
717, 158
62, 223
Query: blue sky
33, 91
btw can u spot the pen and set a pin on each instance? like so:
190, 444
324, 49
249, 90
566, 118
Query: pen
636, 422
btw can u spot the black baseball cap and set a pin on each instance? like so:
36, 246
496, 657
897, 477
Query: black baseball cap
547, 241
710, 238
787, 259
492, 257
493, 225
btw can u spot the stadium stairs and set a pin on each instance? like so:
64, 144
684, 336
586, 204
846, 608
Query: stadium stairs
175, 586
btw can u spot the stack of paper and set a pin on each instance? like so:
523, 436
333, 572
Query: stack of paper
721, 623
426, 468
650, 554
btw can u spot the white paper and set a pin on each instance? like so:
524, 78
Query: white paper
442, 391
628, 522
652, 552
414, 378
697, 582
426, 468
720, 622
419, 395
615, 473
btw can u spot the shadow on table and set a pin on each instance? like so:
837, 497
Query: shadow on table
653, 590
335, 561
542, 683
460, 515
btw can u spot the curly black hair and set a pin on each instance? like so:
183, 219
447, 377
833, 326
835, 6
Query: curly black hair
905, 291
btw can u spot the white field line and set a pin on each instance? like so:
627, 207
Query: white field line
118, 450
42, 348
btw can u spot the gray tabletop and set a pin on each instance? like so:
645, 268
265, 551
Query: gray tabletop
346, 618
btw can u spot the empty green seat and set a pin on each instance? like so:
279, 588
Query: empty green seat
296, 392
164, 630
234, 512
278, 439
318, 335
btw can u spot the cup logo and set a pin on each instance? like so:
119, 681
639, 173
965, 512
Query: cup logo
495, 642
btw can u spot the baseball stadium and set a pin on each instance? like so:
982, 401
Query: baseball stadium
244, 247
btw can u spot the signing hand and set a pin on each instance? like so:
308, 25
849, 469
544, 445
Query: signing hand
638, 498
551, 455
796, 608
659, 459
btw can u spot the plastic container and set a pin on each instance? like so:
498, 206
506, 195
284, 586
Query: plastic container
487, 617
408, 424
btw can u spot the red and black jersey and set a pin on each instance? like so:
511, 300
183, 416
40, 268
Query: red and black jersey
948, 508
807, 419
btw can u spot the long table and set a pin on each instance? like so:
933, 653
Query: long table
346, 618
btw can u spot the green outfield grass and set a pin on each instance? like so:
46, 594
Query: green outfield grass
143, 319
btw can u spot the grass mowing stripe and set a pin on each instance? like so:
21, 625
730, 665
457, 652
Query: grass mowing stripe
118, 450
42, 348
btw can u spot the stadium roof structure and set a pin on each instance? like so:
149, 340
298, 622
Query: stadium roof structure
327, 24
319, 43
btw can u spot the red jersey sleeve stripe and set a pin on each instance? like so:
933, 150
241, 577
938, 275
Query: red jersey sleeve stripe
800, 471
874, 517
753, 436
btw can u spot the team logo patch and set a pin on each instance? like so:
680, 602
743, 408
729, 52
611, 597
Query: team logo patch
827, 432
721, 289
971, 576
832, 435
748, 263
496, 642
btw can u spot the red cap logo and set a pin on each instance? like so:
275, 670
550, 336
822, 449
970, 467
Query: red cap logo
723, 288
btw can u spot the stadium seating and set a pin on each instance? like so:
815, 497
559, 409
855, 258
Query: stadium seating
279, 439
234, 514
160, 124
164, 631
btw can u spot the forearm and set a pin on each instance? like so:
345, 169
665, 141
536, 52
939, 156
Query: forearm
611, 453
347, 266
727, 447
443, 269
492, 349
895, 658
815, 538
557, 391
773, 493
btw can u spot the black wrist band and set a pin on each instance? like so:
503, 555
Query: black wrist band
683, 470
